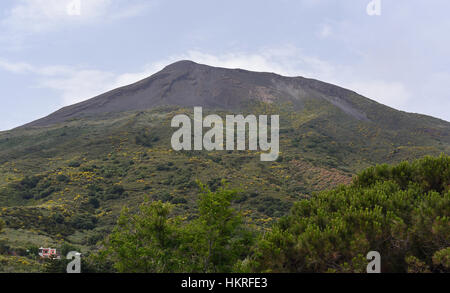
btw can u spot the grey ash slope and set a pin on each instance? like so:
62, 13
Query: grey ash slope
189, 84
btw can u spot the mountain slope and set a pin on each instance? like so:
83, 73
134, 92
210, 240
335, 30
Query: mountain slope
68, 175
188, 84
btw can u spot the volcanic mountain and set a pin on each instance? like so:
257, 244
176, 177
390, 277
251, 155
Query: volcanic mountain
72, 172
189, 84
315, 115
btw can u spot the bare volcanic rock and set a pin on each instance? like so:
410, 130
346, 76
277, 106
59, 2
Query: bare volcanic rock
189, 84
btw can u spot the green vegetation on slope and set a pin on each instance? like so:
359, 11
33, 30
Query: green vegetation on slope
152, 241
401, 211
68, 183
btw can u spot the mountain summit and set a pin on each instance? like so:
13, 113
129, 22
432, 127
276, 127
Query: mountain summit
188, 84
72, 172
334, 113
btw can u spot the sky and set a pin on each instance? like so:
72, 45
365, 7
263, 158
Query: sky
54, 53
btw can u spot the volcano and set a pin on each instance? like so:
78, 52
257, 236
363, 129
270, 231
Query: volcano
72, 172
189, 84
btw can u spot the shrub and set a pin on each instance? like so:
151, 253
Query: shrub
401, 211
62, 178
145, 138
83, 222
116, 189
74, 164
94, 203
179, 200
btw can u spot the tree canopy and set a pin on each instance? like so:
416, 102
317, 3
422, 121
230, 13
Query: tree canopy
401, 211
2, 225
154, 241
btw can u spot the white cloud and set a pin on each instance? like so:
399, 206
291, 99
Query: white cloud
20, 67
132, 9
78, 84
325, 31
34, 16
433, 96
290, 61
26, 68
81, 84
287, 60
393, 94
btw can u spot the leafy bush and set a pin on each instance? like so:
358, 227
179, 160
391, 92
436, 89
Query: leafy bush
179, 200
430, 173
145, 138
83, 222
94, 203
270, 206
2, 225
401, 211
36, 187
74, 164
153, 241
30, 182
115, 192
116, 189
62, 178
